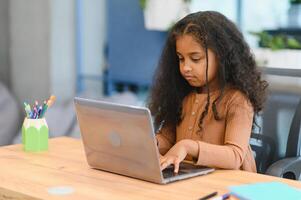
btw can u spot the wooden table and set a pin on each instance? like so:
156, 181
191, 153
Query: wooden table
30, 176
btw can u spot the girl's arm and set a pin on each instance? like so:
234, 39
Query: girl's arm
165, 139
231, 155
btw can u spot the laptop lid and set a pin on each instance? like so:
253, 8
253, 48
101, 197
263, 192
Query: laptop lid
119, 139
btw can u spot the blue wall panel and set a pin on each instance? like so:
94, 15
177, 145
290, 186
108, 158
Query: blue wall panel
133, 51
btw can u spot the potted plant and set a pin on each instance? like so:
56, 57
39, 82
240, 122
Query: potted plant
276, 42
161, 15
277, 51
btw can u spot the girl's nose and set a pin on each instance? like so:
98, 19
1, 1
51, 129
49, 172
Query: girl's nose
187, 68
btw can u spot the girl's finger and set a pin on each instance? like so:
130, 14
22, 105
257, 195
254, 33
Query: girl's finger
176, 165
162, 159
166, 163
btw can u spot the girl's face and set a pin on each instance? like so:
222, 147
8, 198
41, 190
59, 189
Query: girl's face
192, 62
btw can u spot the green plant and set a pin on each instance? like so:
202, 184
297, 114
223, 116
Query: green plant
142, 4
295, 1
276, 42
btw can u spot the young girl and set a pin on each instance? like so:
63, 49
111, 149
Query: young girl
205, 93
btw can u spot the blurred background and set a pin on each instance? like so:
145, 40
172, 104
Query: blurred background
109, 49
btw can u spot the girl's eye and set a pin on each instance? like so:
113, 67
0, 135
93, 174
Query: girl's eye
181, 59
195, 59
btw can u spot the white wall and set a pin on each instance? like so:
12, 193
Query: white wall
4, 42
93, 33
227, 7
258, 15
93, 37
62, 42
30, 48
42, 49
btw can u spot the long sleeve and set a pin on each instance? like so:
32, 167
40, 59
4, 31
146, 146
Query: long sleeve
166, 139
231, 154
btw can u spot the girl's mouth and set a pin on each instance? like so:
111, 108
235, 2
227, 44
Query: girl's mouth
189, 77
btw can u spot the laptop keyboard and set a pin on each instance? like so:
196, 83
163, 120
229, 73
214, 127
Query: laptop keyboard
185, 168
169, 172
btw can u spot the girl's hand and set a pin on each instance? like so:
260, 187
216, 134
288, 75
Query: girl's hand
174, 156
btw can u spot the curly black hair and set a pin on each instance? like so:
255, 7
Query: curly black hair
237, 67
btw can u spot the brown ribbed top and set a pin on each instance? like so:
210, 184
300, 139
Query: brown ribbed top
223, 143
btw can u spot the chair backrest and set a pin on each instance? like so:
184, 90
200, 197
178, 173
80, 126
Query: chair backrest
264, 150
277, 129
294, 137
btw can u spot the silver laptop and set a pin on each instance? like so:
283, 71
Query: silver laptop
121, 139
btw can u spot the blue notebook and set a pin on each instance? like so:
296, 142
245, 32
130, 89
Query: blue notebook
264, 191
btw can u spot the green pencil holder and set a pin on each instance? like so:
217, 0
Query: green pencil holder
35, 135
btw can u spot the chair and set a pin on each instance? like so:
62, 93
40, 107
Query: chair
277, 145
